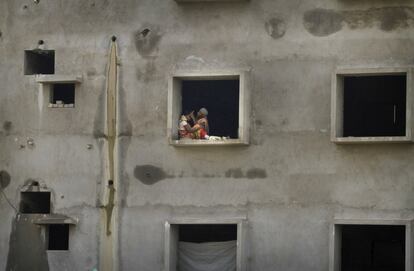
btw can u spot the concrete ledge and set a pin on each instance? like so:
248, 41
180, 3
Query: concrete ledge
52, 78
202, 142
48, 219
382, 139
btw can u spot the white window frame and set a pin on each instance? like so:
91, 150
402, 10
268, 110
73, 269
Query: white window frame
337, 95
336, 235
174, 106
47, 81
171, 240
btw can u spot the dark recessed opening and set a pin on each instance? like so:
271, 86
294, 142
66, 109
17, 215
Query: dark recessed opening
195, 233
220, 98
374, 105
373, 248
62, 93
58, 237
39, 62
35, 202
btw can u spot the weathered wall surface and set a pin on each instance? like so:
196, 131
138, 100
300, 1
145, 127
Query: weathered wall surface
290, 182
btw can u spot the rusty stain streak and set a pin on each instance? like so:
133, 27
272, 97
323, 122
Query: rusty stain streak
107, 246
111, 131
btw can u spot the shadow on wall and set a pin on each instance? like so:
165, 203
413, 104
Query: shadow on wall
26, 249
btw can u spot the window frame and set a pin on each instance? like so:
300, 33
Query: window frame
174, 106
171, 240
335, 239
47, 83
337, 95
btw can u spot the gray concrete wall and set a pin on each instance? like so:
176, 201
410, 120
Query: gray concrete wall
290, 182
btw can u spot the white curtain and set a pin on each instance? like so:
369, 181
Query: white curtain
213, 256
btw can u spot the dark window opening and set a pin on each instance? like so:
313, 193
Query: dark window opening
62, 94
196, 233
39, 62
373, 248
220, 98
58, 238
374, 105
35, 202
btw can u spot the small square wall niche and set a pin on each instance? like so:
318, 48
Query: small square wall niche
35, 202
39, 62
371, 105
225, 96
62, 95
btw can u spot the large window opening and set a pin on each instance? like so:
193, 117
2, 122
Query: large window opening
371, 105
39, 62
220, 98
35, 202
58, 237
62, 95
205, 247
377, 246
373, 247
374, 105
220, 104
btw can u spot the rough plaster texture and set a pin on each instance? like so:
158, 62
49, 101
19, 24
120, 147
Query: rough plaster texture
290, 182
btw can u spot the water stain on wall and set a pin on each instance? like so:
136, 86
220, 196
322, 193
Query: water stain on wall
99, 121
4, 179
147, 72
256, 173
26, 248
234, 173
147, 40
7, 125
276, 27
149, 174
324, 22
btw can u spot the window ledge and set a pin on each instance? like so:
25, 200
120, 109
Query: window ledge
202, 142
373, 140
48, 219
52, 78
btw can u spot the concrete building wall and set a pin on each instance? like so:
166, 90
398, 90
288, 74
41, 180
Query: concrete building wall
290, 182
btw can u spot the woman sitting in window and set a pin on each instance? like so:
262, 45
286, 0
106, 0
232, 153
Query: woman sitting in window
201, 125
199, 130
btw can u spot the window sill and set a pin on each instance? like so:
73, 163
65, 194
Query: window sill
48, 219
201, 142
51, 79
372, 140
